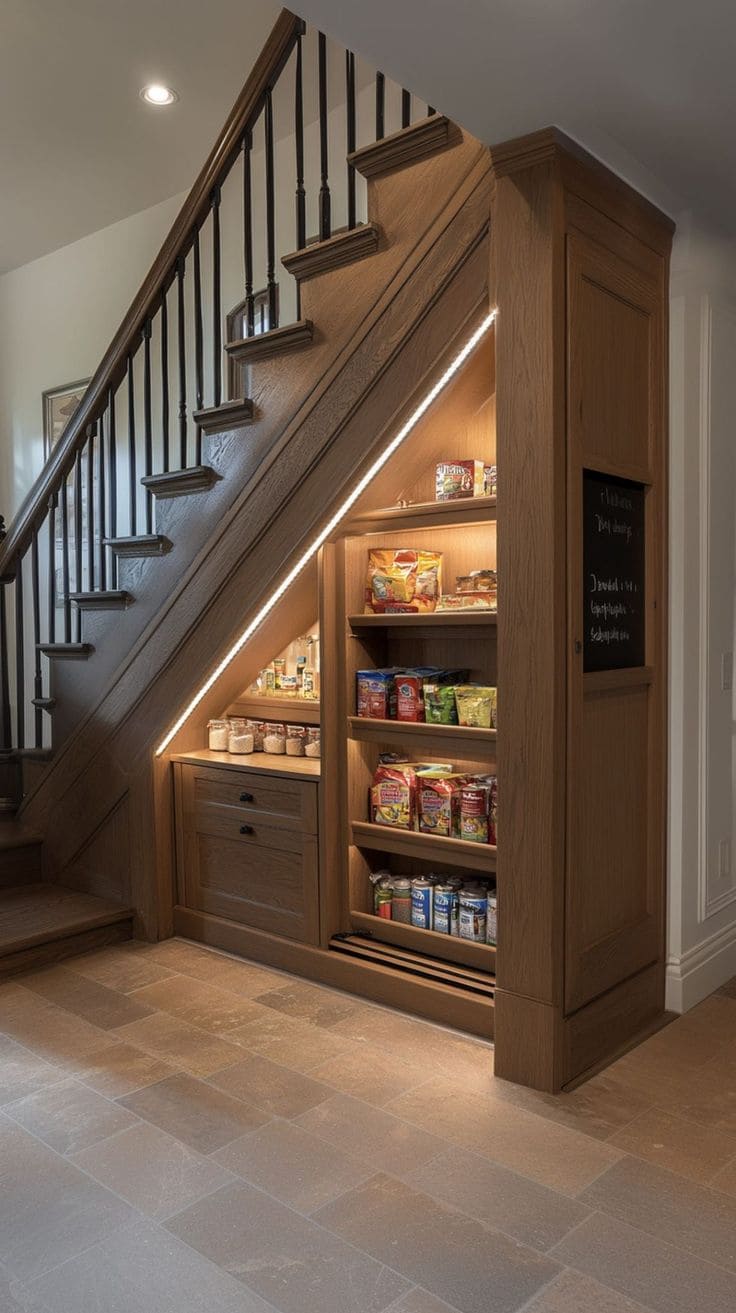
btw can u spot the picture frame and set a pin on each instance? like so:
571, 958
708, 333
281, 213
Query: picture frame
60, 404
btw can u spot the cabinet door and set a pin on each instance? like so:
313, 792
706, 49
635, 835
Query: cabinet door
615, 811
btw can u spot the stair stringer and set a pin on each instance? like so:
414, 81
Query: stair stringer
345, 420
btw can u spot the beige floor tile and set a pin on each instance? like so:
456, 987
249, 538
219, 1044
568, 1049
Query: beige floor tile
22, 1072
372, 1075
144, 1269
182, 1045
293, 1166
49, 1031
682, 1046
68, 1116
153, 1171
681, 1146
120, 1070
293, 1043
536, 1147
420, 1301
709, 1100
599, 1107
275, 1089
661, 1277
49, 1210
192, 1111
323, 1007
530, 1213
725, 1179
95, 1003
119, 968
462, 1261
200, 1004
375, 1136
244, 978
16, 1297
571, 1292
413, 1041
285, 1258
715, 1016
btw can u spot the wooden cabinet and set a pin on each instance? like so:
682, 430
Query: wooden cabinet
247, 844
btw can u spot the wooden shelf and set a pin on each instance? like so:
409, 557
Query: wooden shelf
296, 711
426, 847
262, 763
425, 515
429, 620
447, 947
461, 738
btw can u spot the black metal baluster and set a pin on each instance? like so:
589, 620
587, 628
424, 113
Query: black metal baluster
198, 356
248, 235
51, 582
78, 579
5, 724
147, 420
37, 677
350, 99
132, 484
216, 300
380, 106
273, 308
65, 561
20, 694
101, 515
405, 108
325, 223
164, 381
181, 316
112, 466
301, 195
90, 499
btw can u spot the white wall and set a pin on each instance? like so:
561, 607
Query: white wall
702, 822
57, 316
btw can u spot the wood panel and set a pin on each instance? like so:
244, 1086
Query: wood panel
249, 791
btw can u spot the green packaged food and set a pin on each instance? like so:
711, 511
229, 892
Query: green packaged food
439, 704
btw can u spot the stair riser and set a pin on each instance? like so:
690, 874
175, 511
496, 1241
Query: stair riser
30, 959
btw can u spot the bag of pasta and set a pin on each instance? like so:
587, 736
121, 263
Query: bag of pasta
404, 580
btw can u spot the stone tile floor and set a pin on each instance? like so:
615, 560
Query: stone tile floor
181, 1132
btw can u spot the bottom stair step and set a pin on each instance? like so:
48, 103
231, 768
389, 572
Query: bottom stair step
43, 923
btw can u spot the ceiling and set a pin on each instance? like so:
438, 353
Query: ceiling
648, 85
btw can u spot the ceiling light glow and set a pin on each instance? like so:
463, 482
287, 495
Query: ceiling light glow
157, 94
331, 525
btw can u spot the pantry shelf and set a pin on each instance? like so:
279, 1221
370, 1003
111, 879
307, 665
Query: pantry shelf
297, 711
460, 738
425, 515
429, 620
447, 947
427, 847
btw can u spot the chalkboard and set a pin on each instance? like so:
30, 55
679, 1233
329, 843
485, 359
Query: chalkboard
613, 573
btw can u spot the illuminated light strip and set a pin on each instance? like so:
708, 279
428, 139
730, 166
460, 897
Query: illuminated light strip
332, 524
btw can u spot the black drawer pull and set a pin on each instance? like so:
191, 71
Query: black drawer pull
246, 829
246, 797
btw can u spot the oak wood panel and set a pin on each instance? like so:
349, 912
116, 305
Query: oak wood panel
618, 1016
445, 947
34, 914
250, 791
58, 950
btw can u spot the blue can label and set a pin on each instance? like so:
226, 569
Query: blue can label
445, 911
421, 907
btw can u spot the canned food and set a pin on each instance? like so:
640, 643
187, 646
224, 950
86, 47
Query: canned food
472, 914
421, 904
474, 806
382, 900
446, 906
401, 906
491, 920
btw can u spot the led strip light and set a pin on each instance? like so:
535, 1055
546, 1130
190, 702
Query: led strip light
331, 525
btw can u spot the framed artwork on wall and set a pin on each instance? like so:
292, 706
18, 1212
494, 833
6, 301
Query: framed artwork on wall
59, 405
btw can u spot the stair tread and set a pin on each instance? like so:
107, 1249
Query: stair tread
33, 914
102, 599
228, 415
402, 148
176, 483
137, 545
342, 248
44, 704
264, 345
66, 649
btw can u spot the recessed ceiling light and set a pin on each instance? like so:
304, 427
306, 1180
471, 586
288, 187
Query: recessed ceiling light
157, 94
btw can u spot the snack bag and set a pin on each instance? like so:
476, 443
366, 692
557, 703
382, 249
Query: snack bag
393, 797
376, 693
476, 705
474, 810
439, 704
404, 580
439, 804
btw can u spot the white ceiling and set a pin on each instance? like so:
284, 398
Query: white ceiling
648, 85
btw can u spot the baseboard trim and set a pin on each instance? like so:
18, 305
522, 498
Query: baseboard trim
695, 975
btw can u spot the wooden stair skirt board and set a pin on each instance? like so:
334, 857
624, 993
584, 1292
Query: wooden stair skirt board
110, 600
220, 419
265, 345
66, 651
417, 964
179, 483
403, 147
343, 248
143, 544
43, 923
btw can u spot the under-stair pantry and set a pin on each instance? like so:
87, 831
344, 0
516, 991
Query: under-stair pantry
333, 632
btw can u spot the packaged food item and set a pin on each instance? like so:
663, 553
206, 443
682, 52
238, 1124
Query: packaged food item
376, 693
422, 897
404, 580
288, 686
309, 686
460, 478
473, 912
465, 602
301, 663
393, 796
269, 681
439, 704
401, 906
490, 481
439, 804
474, 810
383, 899
257, 728
476, 705
312, 742
491, 919
296, 738
482, 581
493, 810
446, 908
218, 732
410, 697
279, 669
274, 738
240, 739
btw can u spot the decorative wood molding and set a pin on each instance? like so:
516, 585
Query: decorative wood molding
145, 544
230, 415
67, 651
179, 483
263, 346
403, 147
104, 600
341, 249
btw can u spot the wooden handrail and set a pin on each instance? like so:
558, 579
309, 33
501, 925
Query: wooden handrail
111, 369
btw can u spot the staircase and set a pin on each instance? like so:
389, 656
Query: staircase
153, 531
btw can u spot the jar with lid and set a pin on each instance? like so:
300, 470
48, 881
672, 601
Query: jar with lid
312, 742
218, 732
240, 739
295, 740
274, 738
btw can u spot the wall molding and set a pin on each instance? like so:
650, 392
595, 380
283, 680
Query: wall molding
695, 975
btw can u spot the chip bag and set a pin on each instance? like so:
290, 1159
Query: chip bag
404, 580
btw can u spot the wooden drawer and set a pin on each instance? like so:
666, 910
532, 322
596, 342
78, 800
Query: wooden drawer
248, 790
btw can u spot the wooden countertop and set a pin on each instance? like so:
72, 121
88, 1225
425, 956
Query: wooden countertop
260, 763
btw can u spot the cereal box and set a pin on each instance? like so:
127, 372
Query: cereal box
460, 478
